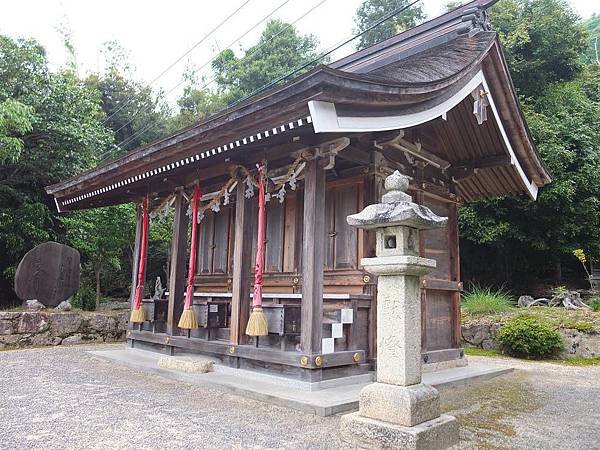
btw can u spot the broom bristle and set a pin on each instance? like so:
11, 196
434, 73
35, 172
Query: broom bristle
257, 323
137, 316
188, 320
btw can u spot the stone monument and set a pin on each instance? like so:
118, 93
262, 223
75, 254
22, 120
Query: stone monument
48, 273
398, 410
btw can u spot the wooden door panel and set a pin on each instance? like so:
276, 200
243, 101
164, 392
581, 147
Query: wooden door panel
274, 233
221, 241
205, 247
346, 202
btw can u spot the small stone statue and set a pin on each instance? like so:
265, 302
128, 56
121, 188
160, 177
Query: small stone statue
158, 289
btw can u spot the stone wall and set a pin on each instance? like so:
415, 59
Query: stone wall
36, 328
577, 343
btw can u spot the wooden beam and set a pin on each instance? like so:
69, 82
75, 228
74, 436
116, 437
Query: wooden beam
242, 268
482, 163
313, 248
178, 264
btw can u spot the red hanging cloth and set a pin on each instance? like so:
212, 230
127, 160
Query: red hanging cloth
189, 293
141, 275
260, 243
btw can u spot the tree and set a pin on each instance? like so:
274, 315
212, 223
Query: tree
53, 124
592, 53
102, 236
279, 50
514, 239
370, 11
196, 103
135, 113
517, 237
542, 39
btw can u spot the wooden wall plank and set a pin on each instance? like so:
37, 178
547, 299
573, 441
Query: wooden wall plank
289, 233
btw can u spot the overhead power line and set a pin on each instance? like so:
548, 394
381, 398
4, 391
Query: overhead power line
174, 63
254, 50
301, 67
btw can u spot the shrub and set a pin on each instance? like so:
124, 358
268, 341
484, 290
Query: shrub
529, 337
480, 300
85, 298
595, 304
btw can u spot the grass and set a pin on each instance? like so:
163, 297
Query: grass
481, 301
574, 361
474, 351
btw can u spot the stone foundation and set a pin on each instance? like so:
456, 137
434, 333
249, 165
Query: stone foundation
365, 433
577, 343
36, 328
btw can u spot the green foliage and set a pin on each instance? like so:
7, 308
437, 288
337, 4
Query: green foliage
543, 41
584, 327
103, 236
133, 111
559, 290
529, 337
370, 11
85, 298
279, 50
479, 300
524, 237
592, 53
195, 104
52, 122
595, 304
15, 120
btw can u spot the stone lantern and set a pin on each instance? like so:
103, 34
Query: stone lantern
398, 410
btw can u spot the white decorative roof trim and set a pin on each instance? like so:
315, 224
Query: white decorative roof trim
202, 155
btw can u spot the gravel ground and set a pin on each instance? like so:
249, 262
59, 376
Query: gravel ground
63, 398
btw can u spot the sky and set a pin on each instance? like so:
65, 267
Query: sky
155, 33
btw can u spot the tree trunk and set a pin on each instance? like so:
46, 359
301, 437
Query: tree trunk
97, 288
557, 271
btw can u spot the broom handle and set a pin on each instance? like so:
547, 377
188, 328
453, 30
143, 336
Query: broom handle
193, 247
260, 244
143, 251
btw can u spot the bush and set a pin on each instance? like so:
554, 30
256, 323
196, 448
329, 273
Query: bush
85, 298
480, 300
529, 337
595, 304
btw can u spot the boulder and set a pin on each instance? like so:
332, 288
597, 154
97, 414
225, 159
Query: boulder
64, 306
45, 339
110, 306
65, 323
48, 273
73, 340
9, 315
32, 322
6, 327
33, 305
102, 323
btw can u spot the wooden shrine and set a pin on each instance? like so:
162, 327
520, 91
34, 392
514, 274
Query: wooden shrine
435, 102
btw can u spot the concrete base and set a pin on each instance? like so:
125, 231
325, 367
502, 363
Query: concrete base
403, 405
324, 398
365, 433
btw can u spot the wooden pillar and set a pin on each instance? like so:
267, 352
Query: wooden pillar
454, 250
135, 258
178, 264
242, 268
313, 249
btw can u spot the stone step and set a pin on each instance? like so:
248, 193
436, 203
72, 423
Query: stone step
186, 364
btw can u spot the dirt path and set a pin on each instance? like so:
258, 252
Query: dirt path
59, 398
